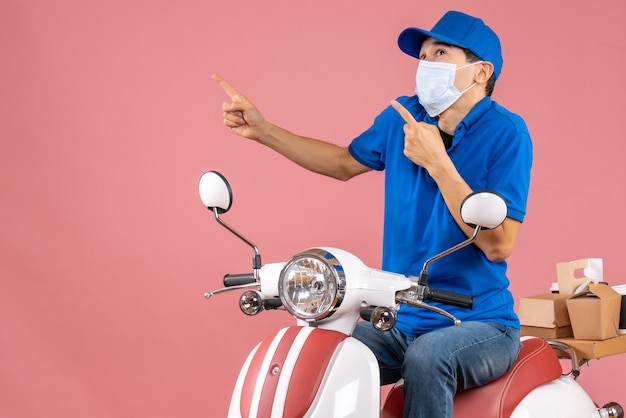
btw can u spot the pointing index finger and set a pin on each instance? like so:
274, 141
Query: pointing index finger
227, 87
404, 113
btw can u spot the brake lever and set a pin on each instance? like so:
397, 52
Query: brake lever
208, 295
414, 296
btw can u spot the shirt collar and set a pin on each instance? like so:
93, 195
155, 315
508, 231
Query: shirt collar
474, 114
468, 121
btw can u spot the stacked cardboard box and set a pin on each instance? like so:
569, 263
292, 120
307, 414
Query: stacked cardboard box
545, 316
595, 314
621, 289
586, 316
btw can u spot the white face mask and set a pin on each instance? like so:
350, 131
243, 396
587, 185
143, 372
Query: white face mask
434, 85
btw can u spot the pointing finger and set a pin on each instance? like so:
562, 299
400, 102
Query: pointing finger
227, 87
404, 113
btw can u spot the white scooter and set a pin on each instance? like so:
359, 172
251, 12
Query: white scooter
316, 369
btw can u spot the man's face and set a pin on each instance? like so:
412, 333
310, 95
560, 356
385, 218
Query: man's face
437, 51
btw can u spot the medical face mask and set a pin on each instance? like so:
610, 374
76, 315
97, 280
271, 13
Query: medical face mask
434, 85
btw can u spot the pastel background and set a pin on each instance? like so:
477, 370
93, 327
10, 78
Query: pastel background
108, 117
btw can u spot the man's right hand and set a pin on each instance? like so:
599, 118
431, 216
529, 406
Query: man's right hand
240, 115
243, 118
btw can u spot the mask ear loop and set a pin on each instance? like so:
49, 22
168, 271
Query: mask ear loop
465, 66
463, 92
470, 64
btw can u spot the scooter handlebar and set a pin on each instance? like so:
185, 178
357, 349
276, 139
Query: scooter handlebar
450, 298
238, 279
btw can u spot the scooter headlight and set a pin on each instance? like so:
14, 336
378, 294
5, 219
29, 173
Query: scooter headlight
312, 285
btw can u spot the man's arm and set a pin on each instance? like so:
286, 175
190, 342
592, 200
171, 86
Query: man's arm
423, 146
498, 243
243, 118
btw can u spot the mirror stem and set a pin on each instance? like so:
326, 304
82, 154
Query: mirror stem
424, 273
256, 259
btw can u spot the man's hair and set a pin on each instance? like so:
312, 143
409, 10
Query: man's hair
471, 57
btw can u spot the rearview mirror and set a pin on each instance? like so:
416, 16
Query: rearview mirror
483, 209
215, 192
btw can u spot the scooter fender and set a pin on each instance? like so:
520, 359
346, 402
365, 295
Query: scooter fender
307, 372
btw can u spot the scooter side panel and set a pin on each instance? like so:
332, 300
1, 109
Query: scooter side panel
561, 398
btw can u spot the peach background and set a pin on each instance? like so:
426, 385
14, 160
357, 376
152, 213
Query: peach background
108, 117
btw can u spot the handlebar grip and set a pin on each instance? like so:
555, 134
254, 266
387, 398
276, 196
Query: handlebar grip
238, 279
450, 298
273, 303
366, 313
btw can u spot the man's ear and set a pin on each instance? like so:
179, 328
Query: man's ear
486, 70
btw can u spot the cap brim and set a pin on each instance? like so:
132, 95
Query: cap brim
411, 39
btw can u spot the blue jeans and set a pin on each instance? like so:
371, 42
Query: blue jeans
436, 364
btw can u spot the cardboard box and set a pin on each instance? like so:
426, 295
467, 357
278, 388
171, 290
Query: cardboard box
621, 289
594, 315
596, 349
545, 316
552, 333
576, 274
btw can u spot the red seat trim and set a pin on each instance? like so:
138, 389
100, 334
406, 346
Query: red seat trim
536, 364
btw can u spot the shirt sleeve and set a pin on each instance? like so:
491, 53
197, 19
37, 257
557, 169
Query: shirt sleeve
371, 146
510, 173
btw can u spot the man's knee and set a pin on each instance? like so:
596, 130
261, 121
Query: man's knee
425, 356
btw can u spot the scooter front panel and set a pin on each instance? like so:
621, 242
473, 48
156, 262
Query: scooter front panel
250, 385
309, 370
283, 374
351, 385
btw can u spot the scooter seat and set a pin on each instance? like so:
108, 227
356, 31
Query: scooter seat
536, 364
